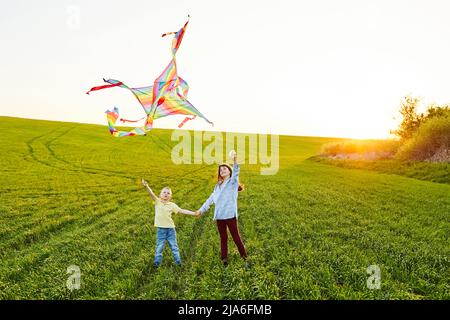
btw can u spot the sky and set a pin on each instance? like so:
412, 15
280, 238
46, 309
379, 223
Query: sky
306, 68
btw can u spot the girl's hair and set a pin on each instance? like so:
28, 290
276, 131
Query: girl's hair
220, 179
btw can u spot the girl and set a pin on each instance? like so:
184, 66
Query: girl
165, 227
224, 197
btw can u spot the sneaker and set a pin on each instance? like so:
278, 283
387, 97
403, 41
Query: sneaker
225, 262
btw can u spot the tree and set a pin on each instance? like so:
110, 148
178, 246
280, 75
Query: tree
411, 119
435, 110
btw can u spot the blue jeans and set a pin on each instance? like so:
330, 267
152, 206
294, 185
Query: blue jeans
169, 234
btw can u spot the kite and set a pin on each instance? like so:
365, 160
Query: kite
167, 96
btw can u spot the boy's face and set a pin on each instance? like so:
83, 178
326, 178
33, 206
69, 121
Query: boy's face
165, 194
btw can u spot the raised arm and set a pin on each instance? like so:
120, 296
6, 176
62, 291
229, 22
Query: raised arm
149, 190
233, 156
236, 168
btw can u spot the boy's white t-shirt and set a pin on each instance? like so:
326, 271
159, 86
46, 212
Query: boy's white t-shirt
163, 214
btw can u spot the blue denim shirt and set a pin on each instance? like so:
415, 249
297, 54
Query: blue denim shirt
224, 197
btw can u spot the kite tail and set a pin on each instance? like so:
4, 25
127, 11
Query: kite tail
178, 37
167, 33
186, 120
184, 27
113, 115
126, 120
105, 87
112, 83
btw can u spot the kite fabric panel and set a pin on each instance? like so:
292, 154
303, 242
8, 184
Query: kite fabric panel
167, 96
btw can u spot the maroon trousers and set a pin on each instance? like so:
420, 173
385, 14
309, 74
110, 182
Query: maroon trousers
233, 227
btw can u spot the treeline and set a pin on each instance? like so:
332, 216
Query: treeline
419, 137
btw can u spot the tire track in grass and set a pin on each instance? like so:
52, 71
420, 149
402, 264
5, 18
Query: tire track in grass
19, 269
39, 235
193, 240
48, 145
73, 167
106, 214
78, 169
138, 251
31, 151
175, 176
33, 154
161, 145
58, 226
93, 170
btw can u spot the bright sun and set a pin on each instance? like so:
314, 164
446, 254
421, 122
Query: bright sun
356, 128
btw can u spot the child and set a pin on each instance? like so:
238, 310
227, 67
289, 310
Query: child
224, 196
165, 228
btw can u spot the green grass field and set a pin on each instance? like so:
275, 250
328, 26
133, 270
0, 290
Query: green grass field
435, 172
71, 195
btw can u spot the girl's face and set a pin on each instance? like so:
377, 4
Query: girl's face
224, 172
165, 194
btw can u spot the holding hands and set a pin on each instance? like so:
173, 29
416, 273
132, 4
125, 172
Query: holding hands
166, 198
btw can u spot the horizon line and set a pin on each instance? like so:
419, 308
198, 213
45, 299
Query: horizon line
164, 128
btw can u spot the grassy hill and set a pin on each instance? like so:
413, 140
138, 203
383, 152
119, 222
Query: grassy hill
71, 195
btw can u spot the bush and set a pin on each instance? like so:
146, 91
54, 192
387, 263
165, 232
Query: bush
430, 142
385, 147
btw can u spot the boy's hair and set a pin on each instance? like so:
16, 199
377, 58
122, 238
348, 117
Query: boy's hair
220, 179
168, 188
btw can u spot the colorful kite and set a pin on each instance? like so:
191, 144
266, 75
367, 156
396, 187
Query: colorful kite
166, 97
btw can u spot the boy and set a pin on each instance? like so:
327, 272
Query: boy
165, 227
